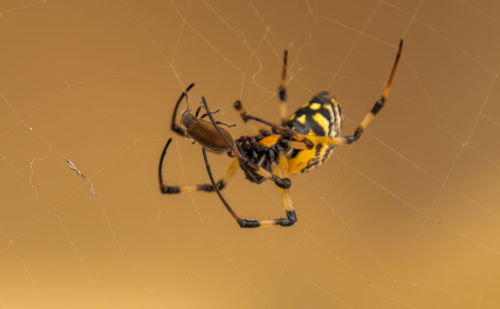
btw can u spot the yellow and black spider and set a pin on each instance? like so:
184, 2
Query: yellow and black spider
303, 141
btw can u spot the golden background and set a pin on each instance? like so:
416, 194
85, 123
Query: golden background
408, 217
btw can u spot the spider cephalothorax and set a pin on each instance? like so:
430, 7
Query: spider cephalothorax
302, 142
260, 151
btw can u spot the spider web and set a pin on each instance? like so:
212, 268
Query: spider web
405, 218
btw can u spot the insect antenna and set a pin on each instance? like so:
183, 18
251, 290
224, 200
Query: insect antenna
174, 126
187, 110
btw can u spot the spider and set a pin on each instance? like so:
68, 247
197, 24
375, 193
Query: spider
303, 141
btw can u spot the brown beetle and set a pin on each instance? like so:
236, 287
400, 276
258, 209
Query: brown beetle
202, 131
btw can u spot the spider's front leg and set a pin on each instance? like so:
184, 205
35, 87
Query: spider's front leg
221, 183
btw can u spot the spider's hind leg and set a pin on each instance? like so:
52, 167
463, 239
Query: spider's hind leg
345, 140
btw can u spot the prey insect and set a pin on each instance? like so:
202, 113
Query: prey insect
201, 130
302, 142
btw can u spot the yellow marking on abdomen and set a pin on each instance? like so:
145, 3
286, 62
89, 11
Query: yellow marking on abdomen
322, 121
315, 106
269, 140
302, 119
297, 164
329, 108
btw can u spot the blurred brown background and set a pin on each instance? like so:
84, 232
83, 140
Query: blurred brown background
408, 217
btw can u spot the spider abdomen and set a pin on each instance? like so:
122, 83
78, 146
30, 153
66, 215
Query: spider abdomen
321, 116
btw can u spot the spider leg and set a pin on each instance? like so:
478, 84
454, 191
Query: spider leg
174, 125
221, 183
282, 93
343, 140
281, 182
282, 170
239, 107
282, 130
245, 223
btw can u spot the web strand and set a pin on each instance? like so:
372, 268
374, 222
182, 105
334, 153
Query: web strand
251, 72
